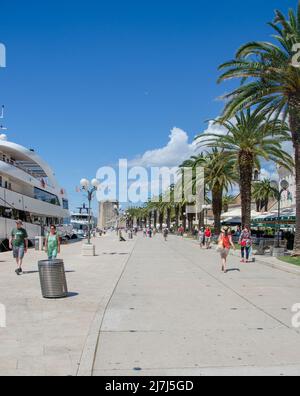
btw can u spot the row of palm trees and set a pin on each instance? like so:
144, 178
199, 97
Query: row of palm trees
269, 84
261, 114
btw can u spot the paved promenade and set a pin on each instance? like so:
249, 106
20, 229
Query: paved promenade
174, 312
149, 307
56, 337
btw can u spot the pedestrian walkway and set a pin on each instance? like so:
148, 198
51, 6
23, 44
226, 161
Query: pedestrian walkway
150, 307
53, 337
174, 313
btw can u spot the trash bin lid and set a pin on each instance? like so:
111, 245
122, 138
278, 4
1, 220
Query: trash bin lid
50, 262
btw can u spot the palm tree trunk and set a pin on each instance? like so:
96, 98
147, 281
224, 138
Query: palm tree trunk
184, 218
295, 128
267, 205
190, 222
202, 219
246, 166
150, 219
168, 218
177, 209
161, 219
258, 205
297, 171
217, 196
155, 219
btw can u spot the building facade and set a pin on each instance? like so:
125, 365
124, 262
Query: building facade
288, 197
107, 214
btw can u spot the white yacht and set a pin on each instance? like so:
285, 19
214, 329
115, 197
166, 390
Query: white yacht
28, 191
80, 221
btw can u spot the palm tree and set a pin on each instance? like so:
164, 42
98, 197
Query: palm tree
169, 204
159, 206
251, 136
227, 200
192, 163
219, 175
264, 191
271, 81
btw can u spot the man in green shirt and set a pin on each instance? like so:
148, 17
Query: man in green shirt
19, 244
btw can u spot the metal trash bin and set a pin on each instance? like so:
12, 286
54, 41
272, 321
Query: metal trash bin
53, 279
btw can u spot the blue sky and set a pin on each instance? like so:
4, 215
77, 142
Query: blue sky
90, 82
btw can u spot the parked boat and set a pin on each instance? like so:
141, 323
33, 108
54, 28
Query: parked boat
80, 221
29, 191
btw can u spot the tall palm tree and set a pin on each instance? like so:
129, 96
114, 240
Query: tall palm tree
219, 175
271, 81
263, 191
160, 208
251, 137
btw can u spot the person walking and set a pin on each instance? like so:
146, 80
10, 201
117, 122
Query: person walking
201, 236
52, 243
181, 231
19, 244
246, 244
238, 232
165, 234
121, 238
225, 243
208, 235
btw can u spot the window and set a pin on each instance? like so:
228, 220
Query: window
45, 196
65, 204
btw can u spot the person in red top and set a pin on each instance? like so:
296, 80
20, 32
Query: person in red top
181, 231
225, 244
208, 236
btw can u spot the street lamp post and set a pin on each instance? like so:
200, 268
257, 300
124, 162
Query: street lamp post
90, 188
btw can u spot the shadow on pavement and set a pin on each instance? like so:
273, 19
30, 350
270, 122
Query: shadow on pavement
115, 253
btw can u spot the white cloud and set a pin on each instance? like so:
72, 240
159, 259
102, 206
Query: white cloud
269, 173
215, 128
177, 150
212, 128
